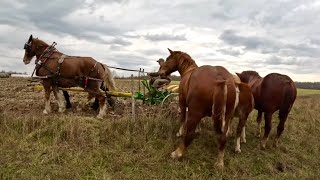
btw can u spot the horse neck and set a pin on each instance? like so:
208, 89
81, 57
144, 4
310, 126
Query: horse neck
40, 51
253, 80
186, 67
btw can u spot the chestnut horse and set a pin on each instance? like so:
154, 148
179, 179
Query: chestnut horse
205, 91
60, 70
244, 108
271, 93
242, 111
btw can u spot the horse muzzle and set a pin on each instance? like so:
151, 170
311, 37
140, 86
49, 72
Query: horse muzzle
26, 60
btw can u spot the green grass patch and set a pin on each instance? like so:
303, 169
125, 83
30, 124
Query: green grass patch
69, 146
306, 92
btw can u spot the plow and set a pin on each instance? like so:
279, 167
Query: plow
153, 96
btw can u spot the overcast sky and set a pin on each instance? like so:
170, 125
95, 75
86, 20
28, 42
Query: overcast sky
264, 35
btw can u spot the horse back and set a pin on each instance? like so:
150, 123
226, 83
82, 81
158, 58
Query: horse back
277, 89
204, 83
81, 67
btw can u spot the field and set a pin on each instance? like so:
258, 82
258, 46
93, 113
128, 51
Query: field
76, 145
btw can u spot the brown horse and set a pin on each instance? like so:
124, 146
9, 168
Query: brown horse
271, 93
242, 111
205, 91
60, 70
244, 108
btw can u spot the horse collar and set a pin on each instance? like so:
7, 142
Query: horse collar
46, 54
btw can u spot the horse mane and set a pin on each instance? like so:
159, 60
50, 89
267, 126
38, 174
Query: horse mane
187, 61
39, 41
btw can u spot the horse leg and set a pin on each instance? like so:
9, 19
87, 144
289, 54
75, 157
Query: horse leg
111, 101
103, 107
83, 103
47, 90
95, 105
259, 118
190, 126
67, 98
230, 131
267, 128
58, 96
241, 132
282, 117
183, 111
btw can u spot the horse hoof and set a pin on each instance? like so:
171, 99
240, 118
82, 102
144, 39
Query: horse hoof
178, 134
238, 151
263, 147
99, 116
68, 106
244, 141
275, 144
46, 111
176, 155
258, 134
219, 165
62, 110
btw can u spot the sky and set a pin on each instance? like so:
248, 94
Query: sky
267, 36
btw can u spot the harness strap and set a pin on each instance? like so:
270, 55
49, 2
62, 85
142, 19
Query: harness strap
87, 77
61, 59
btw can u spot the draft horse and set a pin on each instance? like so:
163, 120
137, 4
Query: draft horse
60, 70
205, 91
271, 93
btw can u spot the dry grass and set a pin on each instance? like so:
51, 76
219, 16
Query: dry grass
75, 145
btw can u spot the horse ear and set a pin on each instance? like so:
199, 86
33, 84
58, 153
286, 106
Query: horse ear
30, 38
238, 74
170, 51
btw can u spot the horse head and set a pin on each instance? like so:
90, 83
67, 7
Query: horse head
247, 76
177, 61
33, 47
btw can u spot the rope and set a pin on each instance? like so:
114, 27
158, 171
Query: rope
124, 69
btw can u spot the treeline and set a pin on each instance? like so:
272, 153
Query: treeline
11, 72
308, 85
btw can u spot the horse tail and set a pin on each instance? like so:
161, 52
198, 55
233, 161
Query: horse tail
108, 79
219, 106
290, 94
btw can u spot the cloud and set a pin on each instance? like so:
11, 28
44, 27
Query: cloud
231, 51
261, 44
266, 36
164, 37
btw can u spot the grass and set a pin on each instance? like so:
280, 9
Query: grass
75, 145
306, 92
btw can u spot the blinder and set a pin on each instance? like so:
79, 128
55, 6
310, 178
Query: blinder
27, 46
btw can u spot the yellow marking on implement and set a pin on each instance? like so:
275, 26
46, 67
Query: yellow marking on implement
112, 93
173, 88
